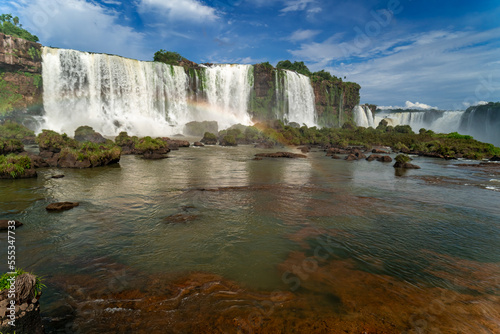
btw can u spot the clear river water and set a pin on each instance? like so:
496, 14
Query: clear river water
212, 241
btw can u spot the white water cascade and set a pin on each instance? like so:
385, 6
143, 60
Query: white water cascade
300, 97
112, 93
437, 121
228, 90
363, 116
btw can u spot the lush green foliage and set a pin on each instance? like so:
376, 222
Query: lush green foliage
14, 165
51, 140
297, 66
148, 144
209, 137
97, 154
168, 57
8, 95
13, 130
400, 138
124, 140
402, 158
324, 75
10, 26
5, 284
10, 146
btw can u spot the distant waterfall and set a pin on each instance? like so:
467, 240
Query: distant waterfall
300, 98
363, 116
111, 93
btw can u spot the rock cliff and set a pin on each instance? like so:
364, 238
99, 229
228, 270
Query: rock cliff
20, 75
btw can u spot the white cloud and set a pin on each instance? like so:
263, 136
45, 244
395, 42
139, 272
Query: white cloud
80, 25
445, 68
410, 105
180, 10
112, 2
296, 5
299, 35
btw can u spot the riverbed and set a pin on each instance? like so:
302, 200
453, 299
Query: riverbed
210, 240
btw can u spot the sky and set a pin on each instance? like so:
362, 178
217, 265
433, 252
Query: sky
404, 53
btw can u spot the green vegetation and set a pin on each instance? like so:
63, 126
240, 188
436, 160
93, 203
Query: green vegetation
52, 141
8, 95
12, 130
297, 66
228, 140
10, 146
10, 26
209, 138
35, 54
399, 138
14, 165
168, 57
402, 159
148, 144
5, 284
97, 154
124, 140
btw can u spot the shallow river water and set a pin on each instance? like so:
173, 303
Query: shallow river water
212, 241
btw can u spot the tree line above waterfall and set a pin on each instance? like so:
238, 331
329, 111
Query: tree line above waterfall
10, 25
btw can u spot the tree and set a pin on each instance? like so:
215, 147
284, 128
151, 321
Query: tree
168, 57
10, 26
297, 66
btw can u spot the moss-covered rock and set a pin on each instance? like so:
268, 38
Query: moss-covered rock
16, 167
52, 141
209, 139
86, 133
13, 130
228, 140
8, 146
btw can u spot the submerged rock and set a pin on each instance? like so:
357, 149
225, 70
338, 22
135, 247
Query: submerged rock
198, 144
180, 218
61, 206
281, 155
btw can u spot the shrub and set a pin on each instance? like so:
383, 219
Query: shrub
168, 57
5, 283
228, 140
10, 146
402, 158
13, 130
52, 141
14, 165
10, 26
148, 144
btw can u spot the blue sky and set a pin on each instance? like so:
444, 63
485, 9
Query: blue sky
443, 54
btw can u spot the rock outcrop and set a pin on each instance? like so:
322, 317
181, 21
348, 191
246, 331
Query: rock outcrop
280, 155
26, 311
20, 75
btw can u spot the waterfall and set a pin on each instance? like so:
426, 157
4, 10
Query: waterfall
363, 116
227, 88
300, 98
111, 93
114, 94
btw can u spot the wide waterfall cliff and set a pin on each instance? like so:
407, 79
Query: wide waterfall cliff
114, 94
482, 122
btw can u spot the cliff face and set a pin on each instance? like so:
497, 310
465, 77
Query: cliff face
335, 101
20, 75
482, 122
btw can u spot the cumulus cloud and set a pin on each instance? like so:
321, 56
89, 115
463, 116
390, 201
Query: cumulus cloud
410, 105
81, 25
446, 68
180, 10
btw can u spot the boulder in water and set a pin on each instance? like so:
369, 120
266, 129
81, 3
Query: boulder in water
87, 133
61, 206
209, 139
281, 155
